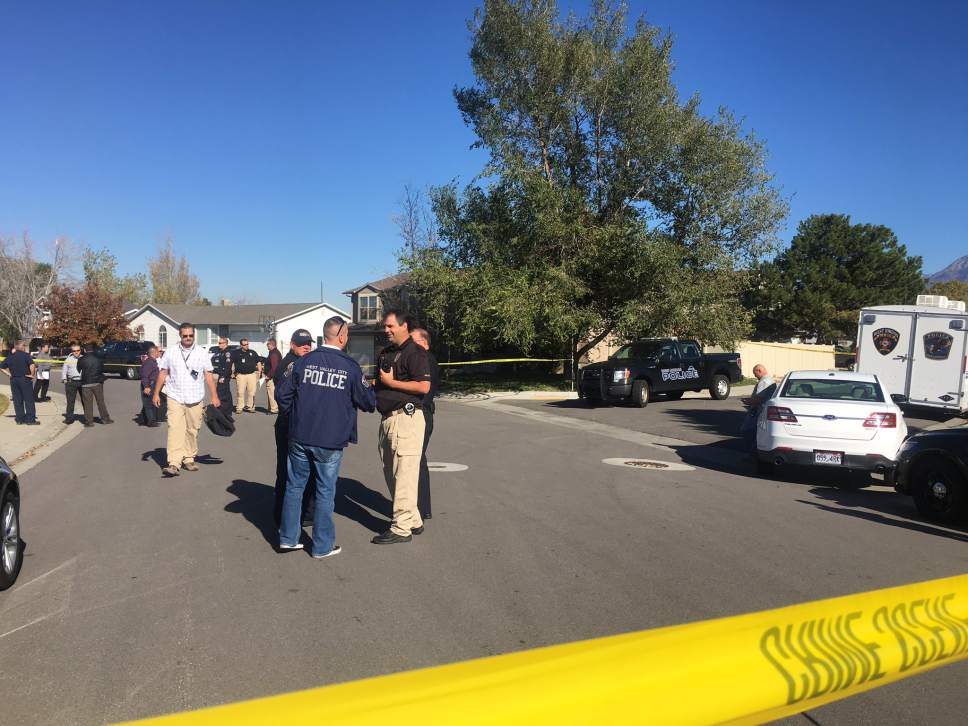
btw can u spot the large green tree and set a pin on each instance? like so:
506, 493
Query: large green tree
101, 269
608, 205
832, 268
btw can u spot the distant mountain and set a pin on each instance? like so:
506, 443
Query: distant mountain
957, 270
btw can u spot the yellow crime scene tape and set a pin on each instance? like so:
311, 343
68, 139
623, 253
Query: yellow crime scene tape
737, 670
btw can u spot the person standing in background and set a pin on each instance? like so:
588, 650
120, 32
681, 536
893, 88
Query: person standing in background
300, 344
42, 377
71, 378
422, 338
149, 375
273, 360
246, 366
222, 371
21, 368
91, 368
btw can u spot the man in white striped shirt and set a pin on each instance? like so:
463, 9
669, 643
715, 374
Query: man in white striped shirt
187, 370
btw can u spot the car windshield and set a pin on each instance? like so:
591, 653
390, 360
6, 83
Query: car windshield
832, 389
636, 350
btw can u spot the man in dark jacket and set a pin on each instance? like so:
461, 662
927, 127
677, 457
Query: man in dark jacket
149, 374
422, 338
300, 344
21, 370
321, 394
222, 370
271, 368
91, 369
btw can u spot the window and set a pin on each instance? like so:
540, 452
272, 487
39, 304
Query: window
634, 351
832, 389
162, 336
689, 350
202, 334
369, 308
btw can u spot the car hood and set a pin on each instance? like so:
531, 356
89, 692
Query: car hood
603, 365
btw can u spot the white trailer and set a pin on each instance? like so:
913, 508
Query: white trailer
918, 350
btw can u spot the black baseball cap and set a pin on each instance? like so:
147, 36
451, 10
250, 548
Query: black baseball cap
302, 337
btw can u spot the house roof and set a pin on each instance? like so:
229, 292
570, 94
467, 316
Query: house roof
387, 283
233, 314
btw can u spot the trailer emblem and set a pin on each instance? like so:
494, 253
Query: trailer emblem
885, 339
946, 398
937, 345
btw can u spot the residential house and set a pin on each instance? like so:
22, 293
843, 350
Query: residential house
369, 301
159, 323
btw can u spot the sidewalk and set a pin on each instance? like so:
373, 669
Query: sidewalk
24, 446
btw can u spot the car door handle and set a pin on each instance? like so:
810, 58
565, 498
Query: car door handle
900, 357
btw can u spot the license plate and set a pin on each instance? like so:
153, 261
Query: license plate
828, 457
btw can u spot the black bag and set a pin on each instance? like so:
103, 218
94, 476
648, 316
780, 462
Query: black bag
218, 423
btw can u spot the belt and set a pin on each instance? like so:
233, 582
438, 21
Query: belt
400, 411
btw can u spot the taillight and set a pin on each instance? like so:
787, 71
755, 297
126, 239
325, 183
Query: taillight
881, 421
780, 413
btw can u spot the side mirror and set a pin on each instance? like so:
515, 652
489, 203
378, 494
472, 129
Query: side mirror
899, 398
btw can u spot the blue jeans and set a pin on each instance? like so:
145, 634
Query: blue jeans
326, 463
748, 429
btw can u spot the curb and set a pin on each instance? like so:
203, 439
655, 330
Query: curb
60, 436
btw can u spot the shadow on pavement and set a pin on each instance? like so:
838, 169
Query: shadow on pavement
889, 505
159, 456
254, 501
354, 500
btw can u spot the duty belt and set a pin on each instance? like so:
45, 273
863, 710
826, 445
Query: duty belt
408, 408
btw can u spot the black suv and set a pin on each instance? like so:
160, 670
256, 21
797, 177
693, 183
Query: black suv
11, 547
124, 357
932, 467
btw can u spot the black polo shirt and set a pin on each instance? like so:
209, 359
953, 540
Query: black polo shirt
428, 403
409, 363
18, 363
245, 360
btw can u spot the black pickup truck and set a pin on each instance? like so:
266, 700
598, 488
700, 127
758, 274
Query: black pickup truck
638, 371
124, 357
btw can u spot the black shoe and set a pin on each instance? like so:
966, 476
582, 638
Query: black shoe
68, 421
389, 537
151, 426
417, 530
33, 423
428, 515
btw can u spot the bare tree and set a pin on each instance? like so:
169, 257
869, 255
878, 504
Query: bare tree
172, 281
410, 219
26, 283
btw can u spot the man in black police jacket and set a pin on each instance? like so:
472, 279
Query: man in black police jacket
300, 344
321, 394
19, 366
422, 338
404, 381
222, 370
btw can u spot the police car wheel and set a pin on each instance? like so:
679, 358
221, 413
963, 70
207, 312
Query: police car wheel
940, 492
11, 547
641, 393
719, 387
130, 373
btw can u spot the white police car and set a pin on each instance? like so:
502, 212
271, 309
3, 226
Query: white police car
831, 420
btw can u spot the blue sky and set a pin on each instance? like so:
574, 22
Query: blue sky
272, 141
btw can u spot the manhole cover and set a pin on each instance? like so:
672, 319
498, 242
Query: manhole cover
648, 464
444, 466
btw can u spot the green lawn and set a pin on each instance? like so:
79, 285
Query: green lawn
502, 381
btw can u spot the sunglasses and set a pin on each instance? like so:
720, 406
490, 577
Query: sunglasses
188, 336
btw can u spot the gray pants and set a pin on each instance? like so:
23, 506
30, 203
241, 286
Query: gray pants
88, 395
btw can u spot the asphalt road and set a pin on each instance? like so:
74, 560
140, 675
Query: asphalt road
142, 595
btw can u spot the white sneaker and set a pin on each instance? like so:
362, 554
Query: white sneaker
289, 548
335, 551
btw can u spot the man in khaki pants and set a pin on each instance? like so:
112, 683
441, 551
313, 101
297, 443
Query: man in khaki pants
273, 360
404, 380
246, 367
186, 369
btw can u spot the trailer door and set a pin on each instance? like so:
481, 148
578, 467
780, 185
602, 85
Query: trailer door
937, 376
884, 347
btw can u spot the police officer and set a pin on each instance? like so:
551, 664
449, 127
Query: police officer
321, 393
222, 370
21, 369
299, 345
404, 380
246, 366
422, 338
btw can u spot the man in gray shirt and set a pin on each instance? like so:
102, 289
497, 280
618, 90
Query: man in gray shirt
763, 392
71, 378
42, 377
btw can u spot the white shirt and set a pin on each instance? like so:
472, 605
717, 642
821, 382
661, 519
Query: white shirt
180, 362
